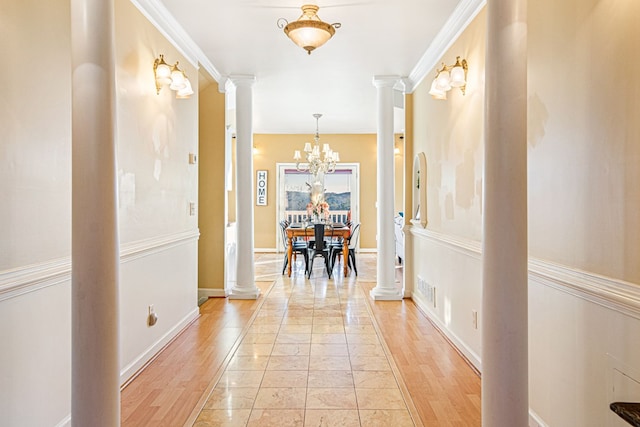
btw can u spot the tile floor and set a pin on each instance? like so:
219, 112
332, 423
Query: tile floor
310, 357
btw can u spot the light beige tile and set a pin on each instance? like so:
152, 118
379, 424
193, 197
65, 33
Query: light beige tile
331, 398
269, 328
231, 398
302, 320
268, 320
259, 338
330, 379
296, 329
328, 320
385, 418
240, 379
297, 313
328, 338
370, 363
374, 379
276, 418
328, 328
363, 339
248, 363
384, 398
329, 363
331, 418
358, 350
359, 329
293, 338
280, 398
326, 313
283, 379
254, 349
291, 350
329, 350
223, 418
284, 363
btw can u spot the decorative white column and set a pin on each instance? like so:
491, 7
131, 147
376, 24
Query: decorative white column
386, 288
504, 296
95, 372
245, 286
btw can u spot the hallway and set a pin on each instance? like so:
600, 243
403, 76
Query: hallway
306, 353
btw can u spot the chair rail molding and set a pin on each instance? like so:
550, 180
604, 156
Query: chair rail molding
31, 278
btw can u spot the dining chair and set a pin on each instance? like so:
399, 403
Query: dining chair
320, 248
336, 251
298, 247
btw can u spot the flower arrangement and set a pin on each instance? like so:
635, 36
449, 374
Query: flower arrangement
319, 210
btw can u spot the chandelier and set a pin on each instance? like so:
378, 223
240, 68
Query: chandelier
309, 31
315, 162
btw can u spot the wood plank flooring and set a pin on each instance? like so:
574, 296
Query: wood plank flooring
442, 388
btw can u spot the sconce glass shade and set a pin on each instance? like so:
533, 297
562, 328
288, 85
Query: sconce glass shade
443, 81
162, 73
457, 77
436, 92
177, 78
186, 91
309, 31
459, 73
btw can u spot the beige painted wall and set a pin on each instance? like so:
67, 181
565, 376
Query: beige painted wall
584, 134
450, 133
274, 149
212, 193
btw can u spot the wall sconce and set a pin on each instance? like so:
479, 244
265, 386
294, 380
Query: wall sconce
449, 76
172, 76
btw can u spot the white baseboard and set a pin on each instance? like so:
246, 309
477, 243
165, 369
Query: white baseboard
535, 420
457, 342
130, 370
266, 250
211, 293
368, 250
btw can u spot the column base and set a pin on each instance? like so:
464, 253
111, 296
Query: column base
236, 293
381, 294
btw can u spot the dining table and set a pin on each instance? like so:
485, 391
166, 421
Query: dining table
299, 230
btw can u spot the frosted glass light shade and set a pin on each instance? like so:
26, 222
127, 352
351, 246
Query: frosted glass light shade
443, 81
436, 92
457, 77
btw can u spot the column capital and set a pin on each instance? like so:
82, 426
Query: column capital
242, 80
388, 81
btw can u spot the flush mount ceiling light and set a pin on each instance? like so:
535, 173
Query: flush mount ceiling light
449, 76
309, 31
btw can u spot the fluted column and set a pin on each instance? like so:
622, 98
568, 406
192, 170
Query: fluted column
386, 288
245, 285
95, 372
504, 296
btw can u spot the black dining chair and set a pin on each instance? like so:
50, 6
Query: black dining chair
299, 247
320, 248
352, 242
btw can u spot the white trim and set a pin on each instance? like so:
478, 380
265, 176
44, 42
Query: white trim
455, 25
211, 293
147, 356
169, 27
608, 292
423, 305
267, 250
368, 250
31, 278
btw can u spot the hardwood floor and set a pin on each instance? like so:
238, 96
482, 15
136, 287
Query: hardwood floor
439, 387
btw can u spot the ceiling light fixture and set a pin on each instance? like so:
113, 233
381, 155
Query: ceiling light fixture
315, 164
449, 76
309, 31
172, 76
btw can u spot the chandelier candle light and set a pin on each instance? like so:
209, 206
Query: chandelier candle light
315, 163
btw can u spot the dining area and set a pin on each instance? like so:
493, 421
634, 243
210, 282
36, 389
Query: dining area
334, 242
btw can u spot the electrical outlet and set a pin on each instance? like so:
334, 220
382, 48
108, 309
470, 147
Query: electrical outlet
474, 318
192, 208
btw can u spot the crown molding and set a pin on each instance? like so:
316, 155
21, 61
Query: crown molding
455, 25
164, 22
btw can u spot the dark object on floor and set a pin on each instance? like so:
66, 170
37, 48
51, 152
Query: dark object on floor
628, 411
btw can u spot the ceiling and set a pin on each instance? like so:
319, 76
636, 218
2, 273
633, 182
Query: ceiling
378, 37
